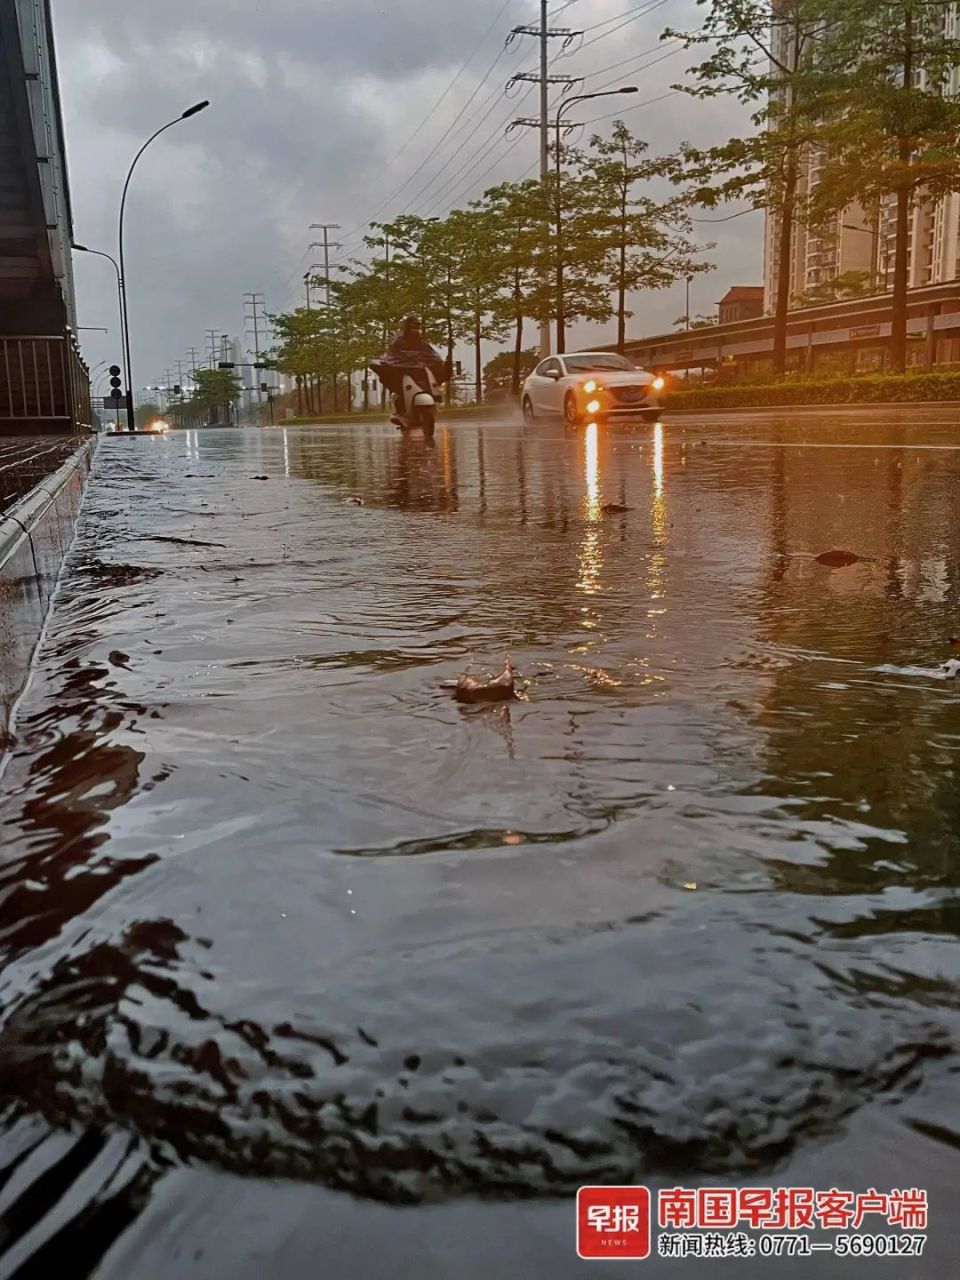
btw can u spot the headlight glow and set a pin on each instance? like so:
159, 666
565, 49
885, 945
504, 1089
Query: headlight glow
659, 384
593, 406
590, 387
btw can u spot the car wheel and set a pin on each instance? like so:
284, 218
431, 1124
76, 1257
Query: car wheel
528, 413
571, 414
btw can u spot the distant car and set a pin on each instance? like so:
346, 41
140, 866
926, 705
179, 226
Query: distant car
591, 384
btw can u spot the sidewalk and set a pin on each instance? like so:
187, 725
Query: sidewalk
27, 460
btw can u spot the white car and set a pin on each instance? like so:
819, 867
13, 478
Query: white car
591, 384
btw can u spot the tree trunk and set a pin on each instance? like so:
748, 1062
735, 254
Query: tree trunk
449, 391
622, 265
561, 314
299, 396
787, 220
518, 343
898, 327
622, 294
477, 359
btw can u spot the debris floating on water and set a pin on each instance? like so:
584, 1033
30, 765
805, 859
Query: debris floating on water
838, 559
500, 688
614, 508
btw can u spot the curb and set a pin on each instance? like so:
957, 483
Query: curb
35, 536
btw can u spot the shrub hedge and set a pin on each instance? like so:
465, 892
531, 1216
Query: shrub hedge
877, 388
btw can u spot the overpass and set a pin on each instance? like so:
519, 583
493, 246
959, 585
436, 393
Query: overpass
43, 381
858, 329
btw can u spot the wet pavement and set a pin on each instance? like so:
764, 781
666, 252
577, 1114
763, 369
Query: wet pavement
26, 461
305, 966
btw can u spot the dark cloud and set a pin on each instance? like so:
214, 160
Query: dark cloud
311, 103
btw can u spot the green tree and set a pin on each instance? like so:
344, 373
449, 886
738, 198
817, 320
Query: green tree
768, 55
144, 415
216, 390
499, 374
894, 131
647, 241
696, 322
442, 253
576, 251
521, 210
482, 242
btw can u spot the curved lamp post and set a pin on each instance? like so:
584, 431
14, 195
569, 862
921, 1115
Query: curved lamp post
98, 253
191, 111
580, 97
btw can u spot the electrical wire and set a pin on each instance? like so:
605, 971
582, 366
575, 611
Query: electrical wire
479, 44
637, 12
640, 13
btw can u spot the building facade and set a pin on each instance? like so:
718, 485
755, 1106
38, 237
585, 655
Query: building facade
858, 240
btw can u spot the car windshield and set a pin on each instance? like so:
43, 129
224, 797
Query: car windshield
601, 360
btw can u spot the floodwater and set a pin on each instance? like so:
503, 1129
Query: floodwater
307, 969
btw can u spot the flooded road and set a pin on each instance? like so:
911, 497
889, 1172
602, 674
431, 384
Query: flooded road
282, 921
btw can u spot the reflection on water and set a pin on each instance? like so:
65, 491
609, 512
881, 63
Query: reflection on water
273, 905
657, 560
591, 558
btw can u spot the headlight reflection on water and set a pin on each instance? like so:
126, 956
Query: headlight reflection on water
590, 557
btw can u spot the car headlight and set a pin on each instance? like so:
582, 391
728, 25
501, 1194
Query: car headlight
593, 406
659, 383
592, 386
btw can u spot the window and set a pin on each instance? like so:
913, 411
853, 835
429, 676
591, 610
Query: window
590, 361
549, 366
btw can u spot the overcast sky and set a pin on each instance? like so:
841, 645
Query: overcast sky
311, 103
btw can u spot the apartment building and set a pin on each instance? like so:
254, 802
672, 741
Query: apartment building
858, 240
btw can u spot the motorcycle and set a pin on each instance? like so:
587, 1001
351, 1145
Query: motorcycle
416, 392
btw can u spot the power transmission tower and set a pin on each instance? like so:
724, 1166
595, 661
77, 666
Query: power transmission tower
211, 335
326, 245
544, 33
256, 302
193, 353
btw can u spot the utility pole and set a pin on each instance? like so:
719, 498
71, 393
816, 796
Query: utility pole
256, 301
544, 33
211, 335
193, 353
326, 245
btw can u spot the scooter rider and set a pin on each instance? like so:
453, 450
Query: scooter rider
410, 347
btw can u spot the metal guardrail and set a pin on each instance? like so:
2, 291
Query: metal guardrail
44, 383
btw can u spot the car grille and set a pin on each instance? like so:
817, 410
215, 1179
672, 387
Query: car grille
629, 395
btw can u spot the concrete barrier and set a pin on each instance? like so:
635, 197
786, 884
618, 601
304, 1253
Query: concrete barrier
35, 536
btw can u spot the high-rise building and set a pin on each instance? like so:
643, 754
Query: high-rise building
862, 240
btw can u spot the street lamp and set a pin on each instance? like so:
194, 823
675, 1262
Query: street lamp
580, 97
98, 253
125, 315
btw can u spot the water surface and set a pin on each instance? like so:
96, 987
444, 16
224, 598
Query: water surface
282, 921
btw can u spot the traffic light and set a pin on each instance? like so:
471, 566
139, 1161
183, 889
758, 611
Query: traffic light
115, 383
177, 389
226, 364
459, 368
